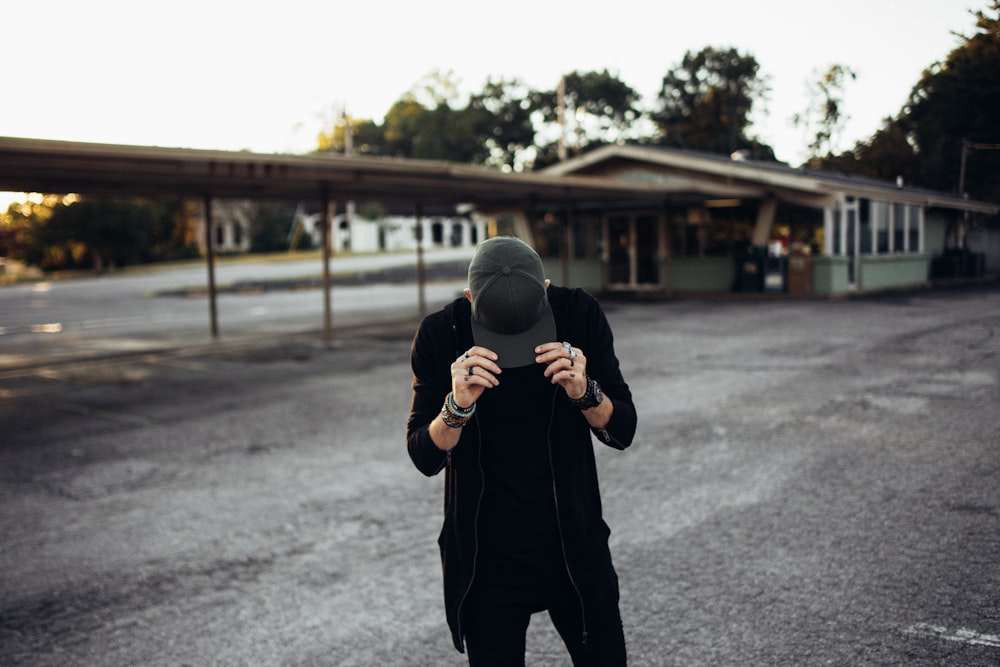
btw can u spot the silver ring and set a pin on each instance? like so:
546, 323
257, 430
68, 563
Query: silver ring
567, 346
572, 355
466, 354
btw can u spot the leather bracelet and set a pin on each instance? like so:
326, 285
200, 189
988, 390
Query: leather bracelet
451, 420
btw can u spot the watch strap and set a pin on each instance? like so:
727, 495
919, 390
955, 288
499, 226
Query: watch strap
590, 397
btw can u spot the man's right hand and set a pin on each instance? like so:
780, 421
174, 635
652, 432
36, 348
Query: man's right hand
473, 373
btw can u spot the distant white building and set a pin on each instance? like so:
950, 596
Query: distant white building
231, 229
231, 220
393, 233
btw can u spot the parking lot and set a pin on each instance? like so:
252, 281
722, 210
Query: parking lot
813, 482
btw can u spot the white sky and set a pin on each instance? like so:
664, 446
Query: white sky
246, 74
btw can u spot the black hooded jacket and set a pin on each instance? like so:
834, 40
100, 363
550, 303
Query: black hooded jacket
443, 337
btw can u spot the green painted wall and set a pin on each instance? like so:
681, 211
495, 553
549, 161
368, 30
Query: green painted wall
716, 274
585, 273
830, 275
888, 271
698, 274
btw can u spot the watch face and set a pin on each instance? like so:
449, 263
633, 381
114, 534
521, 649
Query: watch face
598, 392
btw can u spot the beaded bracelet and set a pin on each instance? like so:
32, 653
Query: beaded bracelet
460, 412
454, 416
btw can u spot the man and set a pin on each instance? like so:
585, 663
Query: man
509, 382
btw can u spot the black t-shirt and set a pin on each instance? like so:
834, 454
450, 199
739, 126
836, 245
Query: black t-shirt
517, 520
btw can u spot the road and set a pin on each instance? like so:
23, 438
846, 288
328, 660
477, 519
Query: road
812, 483
145, 310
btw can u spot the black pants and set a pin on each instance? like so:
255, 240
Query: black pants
503, 598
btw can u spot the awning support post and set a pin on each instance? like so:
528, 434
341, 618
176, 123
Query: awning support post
418, 231
564, 245
325, 221
765, 220
210, 261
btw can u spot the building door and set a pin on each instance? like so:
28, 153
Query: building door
619, 250
647, 250
633, 251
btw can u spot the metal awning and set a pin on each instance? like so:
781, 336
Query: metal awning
36, 165
60, 167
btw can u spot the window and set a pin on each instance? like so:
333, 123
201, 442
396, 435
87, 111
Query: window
880, 210
618, 249
899, 227
869, 227
547, 235
838, 215
585, 239
914, 226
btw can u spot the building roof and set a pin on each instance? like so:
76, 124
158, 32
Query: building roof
611, 174
741, 177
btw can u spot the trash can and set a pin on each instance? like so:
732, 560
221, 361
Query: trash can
750, 269
800, 274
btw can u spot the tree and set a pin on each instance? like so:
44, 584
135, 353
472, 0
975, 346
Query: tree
99, 233
705, 102
954, 101
19, 225
888, 155
103, 232
428, 123
365, 135
599, 106
503, 118
271, 226
825, 118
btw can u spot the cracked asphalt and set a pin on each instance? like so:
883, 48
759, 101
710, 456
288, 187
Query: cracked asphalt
812, 483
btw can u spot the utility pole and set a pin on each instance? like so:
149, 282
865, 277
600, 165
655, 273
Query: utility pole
561, 112
348, 152
968, 147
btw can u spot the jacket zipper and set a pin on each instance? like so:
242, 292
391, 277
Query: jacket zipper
562, 541
479, 505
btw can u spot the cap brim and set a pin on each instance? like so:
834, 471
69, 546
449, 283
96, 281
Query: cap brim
518, 349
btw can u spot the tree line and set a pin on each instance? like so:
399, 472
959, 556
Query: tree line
944, 136
704, 103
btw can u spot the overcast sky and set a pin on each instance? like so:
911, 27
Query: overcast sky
262, 76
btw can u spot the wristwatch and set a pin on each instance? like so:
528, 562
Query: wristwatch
591, 398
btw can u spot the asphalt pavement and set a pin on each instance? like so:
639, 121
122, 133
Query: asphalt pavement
813, 482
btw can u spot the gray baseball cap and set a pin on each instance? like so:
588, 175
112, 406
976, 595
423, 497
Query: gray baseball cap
511, 314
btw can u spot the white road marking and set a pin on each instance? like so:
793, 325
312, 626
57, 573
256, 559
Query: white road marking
963, 635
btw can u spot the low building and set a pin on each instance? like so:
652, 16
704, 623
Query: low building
231, 221
731, 224
392, 233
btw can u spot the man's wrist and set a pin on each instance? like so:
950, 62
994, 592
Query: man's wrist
454, 415
592, 397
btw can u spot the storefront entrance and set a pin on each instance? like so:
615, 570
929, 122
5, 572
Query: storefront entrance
633, 242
